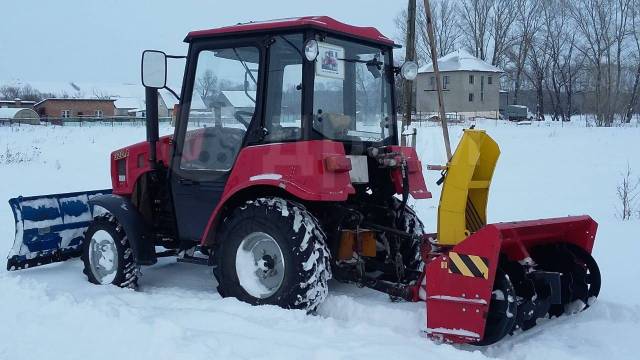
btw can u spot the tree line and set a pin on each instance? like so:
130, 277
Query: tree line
560, 57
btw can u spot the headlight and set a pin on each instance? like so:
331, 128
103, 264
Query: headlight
409, 70
311, 50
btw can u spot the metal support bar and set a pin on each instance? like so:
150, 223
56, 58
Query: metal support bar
436, 72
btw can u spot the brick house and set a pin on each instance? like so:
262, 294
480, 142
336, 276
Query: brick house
75, 108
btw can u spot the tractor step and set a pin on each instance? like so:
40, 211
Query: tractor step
195, 255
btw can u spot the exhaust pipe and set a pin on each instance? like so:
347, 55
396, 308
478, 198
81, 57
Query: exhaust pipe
153, 133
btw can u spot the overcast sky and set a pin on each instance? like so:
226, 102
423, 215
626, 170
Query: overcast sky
101, 41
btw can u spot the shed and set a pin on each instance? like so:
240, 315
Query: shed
20, 115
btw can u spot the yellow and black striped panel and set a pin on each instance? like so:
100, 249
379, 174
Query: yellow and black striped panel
468, 265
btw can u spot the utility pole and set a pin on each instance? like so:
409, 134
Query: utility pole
436, 73
410, 55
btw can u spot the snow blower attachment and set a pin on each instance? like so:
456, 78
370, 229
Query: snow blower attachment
489, 280
49, 228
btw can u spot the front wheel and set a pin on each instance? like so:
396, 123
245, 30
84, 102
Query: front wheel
107, 255
272, 251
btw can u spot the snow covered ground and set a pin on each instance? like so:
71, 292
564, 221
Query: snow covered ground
544, 171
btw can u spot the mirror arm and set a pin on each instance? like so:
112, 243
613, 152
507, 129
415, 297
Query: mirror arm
172, 92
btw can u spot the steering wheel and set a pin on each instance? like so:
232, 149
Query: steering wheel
239, 115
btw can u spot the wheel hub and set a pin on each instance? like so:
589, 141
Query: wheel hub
103, 257
260, 265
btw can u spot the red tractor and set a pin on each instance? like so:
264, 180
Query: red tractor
281, 175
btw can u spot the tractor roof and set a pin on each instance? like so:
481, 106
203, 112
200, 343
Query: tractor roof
316, 22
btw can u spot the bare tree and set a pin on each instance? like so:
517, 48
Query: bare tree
503, 15
206, 85
603, 29
627, 192
24, 92
635, 28
10, 92
446, 27
101, 94
526, 24
564, 64
475, 23
536, 69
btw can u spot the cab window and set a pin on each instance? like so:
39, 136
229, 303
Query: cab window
222, 106
283, 112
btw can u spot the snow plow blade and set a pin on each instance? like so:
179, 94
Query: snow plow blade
49, 228
506, 275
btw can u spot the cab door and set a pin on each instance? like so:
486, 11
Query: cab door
219, 106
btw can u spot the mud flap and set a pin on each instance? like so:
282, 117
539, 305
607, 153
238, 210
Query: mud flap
459, 284
49, 228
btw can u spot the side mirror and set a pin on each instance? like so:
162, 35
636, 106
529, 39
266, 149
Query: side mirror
154, 69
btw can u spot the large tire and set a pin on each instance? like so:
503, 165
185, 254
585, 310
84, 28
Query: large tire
106, 232
301, 252
410, 223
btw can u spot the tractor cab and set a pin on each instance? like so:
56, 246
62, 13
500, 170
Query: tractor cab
292, 81
283, 81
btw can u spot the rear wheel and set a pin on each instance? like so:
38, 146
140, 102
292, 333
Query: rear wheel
106, 254
272, 251
410, 250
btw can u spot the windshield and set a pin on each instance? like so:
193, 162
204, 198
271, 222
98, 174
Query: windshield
352, 92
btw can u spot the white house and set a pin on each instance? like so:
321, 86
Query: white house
471, 86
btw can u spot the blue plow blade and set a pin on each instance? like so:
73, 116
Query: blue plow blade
49, 228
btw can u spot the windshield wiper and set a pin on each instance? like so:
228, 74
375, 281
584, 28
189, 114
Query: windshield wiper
247, 71
292, 45
374, 65
372, 62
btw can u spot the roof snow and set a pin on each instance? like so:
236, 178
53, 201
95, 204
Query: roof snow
129, 103
239, 99
461, 60
10, 113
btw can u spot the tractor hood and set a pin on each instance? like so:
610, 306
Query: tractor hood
128, 163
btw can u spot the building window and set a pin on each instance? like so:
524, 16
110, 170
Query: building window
470, 97
445, 82
66, 113
489, 80
432, 82
470, 79
98, 113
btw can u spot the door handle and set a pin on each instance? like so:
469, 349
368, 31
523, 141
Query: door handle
184, 181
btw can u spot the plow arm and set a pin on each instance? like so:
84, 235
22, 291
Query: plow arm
49, 228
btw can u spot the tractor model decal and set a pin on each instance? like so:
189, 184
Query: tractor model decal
468, 265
